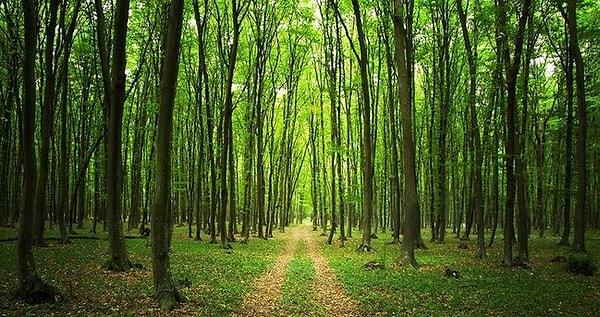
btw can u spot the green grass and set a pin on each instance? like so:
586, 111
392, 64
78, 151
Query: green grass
298, 297
219, 280
486, 289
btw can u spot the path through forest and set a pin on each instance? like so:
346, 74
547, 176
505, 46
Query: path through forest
328, 293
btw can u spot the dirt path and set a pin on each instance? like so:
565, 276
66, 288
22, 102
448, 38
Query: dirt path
261, 301
328, 291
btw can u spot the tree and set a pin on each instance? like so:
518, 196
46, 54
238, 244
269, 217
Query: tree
367, 136
264, 28
31, 287
64, 149
411, 209
165, 291
475, 140
579, 223
331, 37
119, 260
395, 188
238, 12
512, 148
47, 124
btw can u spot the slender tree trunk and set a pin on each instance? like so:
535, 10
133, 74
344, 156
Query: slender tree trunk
232, 229
520, 163
313, 173
227, 148
64, 150
564, 241
119, 260
475, 141
495, 206
136, 173
411, 209
395, 194
165, 292
512, 146
580, 207
47, 123
367, 136
31, 287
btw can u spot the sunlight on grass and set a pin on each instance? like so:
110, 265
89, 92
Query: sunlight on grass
298, 297
484, 289
218, 279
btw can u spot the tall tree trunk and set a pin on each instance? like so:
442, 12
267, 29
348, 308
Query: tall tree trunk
580, 207
47, 123
63, 206
564, 241
395, 172
204, 101
520, 163
136, 166
443, 97
313, 172
165, 292
119, 260
237, 15
512, 146
260, 171
232, 229
31, 287
411, 209
367, 137
475, 140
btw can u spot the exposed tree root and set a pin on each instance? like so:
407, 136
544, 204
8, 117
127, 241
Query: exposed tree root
365, 248
563, 243
421, 245
372, 265
36, 291
169, 299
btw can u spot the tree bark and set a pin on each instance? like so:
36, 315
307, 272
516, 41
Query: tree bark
580, 207
475, 140
165, 291
119, 260
237, 14
412, 214
395, 193
47, 123
511, 69
564, 241
31, 287
367, 156
520, 163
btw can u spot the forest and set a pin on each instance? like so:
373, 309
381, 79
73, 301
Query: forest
187, 154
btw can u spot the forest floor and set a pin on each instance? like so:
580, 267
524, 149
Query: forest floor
298, 274
329, 296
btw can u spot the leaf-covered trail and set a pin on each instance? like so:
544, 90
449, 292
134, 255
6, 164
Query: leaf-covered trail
329, 294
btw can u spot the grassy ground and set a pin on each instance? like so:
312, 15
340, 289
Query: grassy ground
298, 298
485, 289
218, 279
